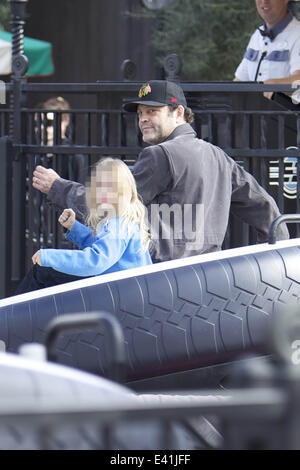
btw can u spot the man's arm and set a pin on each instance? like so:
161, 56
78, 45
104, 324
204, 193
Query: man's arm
151, 173
242, 72
254, 205
281, 81
278, 81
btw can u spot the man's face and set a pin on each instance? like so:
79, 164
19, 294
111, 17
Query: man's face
271, 11
50, 127
156, 122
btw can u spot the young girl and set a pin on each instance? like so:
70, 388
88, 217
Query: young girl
115, 237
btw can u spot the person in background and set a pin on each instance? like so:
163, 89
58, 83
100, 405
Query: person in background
273, 53
115, 237
73, 166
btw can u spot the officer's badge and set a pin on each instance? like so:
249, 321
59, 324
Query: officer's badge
144, 90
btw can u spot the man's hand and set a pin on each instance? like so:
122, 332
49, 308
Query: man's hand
290, 80
43, 178
269, 94
67, 219
36, 259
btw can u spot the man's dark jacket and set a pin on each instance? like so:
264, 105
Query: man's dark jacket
189, 187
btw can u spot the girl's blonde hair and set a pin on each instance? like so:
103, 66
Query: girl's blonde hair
129, 207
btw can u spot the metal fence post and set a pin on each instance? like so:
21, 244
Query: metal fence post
172, 67
19, 68
5, 215
19, 64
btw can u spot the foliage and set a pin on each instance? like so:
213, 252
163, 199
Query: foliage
209, 36
4, 15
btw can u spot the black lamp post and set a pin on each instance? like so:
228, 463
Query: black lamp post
19, 67
18, 15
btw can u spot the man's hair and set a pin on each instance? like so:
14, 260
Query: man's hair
188, 113
57, 103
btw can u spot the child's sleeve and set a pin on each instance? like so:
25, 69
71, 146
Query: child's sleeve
105, 250
81, 235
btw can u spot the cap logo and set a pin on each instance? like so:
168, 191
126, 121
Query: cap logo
144, 90
174, 100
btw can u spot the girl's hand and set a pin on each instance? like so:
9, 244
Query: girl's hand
36, 259
67, 218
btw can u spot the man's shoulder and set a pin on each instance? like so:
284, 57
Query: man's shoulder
151, 158
151, 150
292, 30
193, 146
255, 36
182, 133
295, 23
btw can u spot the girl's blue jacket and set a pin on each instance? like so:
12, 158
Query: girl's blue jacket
115, 247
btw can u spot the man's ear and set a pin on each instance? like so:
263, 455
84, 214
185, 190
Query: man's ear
180, 113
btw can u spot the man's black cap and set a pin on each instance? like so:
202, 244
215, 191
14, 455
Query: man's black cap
157, 93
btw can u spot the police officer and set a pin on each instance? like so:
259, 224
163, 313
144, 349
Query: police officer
273, 53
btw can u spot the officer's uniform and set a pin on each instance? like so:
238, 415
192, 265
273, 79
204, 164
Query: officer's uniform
277, 56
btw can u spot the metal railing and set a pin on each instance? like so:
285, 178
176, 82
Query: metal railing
264, 140
262, 135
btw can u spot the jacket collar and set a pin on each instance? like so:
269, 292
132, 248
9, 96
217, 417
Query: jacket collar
273, 32
182, 129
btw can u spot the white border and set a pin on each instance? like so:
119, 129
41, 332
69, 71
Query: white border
141, 271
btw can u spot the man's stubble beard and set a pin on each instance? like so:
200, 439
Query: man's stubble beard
156, 139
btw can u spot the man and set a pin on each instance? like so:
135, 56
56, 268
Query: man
74, 167
188, 185
273, 52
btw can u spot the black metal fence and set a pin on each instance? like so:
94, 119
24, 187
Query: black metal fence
262, 135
